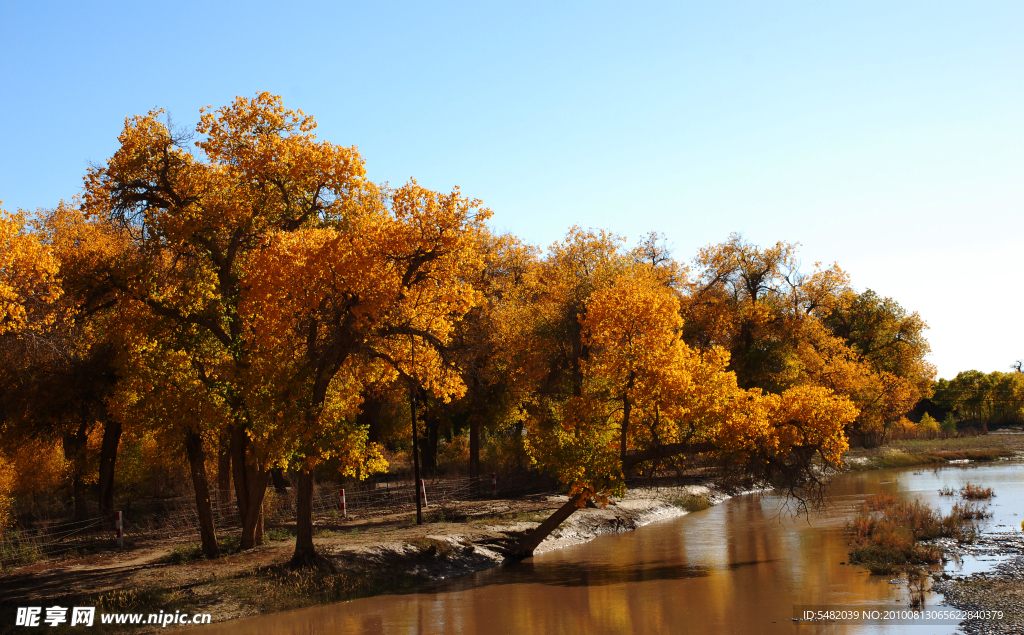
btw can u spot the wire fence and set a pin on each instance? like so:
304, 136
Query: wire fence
152, 520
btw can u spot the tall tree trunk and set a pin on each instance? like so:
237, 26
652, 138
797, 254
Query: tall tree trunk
524, 548
305, 553
624, 438
433, 436
627, 408
519, 447
238, 443
474, 447
250, 488
74, 454
428, 451
369, 416
280, 482
224, 475
204, 508
108, 458
305, 556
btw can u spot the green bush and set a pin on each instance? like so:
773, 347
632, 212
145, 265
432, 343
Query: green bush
928, 426
948, 426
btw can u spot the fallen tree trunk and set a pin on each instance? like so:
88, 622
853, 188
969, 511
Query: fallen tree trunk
524, 548
526, 545
665, 451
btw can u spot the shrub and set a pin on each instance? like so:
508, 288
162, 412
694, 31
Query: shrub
887, 532
453, 456
975, 492
971, 511
948, 426
928, 426
18, 548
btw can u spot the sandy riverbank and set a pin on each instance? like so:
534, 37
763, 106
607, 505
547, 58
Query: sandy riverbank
373, 556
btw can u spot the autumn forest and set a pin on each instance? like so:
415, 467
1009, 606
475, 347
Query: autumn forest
223, 306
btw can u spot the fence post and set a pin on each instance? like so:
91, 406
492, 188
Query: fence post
344, 509
119, 530
494, 484
423, 492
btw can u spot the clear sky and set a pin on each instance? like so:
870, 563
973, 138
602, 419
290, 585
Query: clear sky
886, 136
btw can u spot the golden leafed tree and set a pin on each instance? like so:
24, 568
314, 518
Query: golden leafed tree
334, 311
196, 216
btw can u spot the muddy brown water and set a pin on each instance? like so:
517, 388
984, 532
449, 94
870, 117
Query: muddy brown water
739, 567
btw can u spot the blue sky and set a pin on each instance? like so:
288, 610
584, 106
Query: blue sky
887, 138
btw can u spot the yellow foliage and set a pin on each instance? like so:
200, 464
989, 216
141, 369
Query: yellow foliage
28, 276
8, 474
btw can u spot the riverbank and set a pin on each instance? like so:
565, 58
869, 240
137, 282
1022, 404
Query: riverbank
1001, 589
373, 556
382, 554
937, 452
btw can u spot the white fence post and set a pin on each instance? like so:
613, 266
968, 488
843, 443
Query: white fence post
344, 509
423, 492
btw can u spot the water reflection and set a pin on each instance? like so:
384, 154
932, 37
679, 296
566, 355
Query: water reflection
567, 574
739, 567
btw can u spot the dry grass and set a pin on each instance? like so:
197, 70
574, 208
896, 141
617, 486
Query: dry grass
895, 457
887, 533
433, 546
975, 492
922, 446
970, 511
691, 502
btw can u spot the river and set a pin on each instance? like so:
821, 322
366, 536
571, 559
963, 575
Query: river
739, 567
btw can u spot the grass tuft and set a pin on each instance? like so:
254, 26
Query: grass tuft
975, 492
971, 511
278, 533
183, 554
691, 502
433, 547
229, 544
